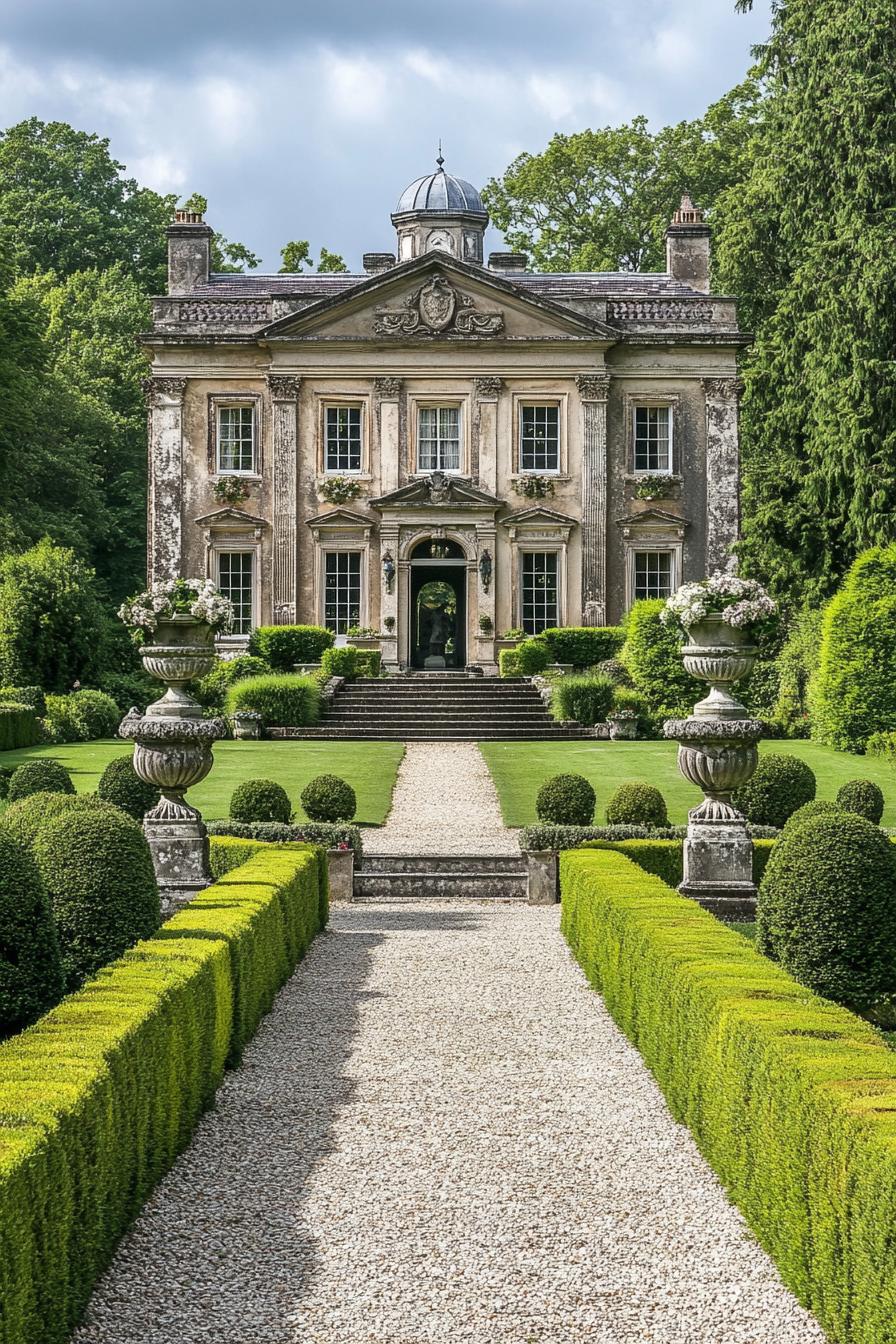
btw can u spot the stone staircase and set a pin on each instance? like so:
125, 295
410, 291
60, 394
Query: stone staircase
444, 706
391, 877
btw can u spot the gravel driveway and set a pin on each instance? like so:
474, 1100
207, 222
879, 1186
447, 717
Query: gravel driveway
439, 1135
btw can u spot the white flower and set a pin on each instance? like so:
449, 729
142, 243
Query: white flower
740, 602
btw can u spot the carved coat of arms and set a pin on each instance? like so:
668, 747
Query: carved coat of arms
436, 308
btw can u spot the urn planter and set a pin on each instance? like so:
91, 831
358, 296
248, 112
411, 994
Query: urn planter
623, 727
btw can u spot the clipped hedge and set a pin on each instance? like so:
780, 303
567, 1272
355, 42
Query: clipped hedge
791, 1099
18, 727
508, 663
282, 646
106, 1089
588, 700
665, 858
329, 835
652, 654
32, 696
550, 836
584, 645
30, 969
349, 662
211, 690
863, 797
285, 700
532, 656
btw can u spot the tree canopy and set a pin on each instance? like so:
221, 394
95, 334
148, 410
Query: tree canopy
297, 254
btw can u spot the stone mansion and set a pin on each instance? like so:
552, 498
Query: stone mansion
442, 432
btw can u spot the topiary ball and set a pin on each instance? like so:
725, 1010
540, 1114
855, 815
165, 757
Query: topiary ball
819, 807
24, 819
120, 784
99, 876
99, 713
329, 798
260, 800
637, 805
30, 968
827, 908
566, 800
863, 797
780, 785
40, 776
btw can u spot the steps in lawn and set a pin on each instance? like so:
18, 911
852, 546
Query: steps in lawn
399, 877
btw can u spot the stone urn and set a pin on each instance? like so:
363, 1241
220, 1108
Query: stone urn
623, 726
246, 725
173, 752
717, 752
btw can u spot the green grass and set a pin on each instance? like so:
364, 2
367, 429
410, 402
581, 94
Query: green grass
370, 768
520, 768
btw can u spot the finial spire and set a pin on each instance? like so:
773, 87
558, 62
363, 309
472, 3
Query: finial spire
440, 160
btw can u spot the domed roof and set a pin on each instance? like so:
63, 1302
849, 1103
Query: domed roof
442, 192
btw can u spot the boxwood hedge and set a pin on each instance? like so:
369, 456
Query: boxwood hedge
18, 727
285, 700
791, 1099
282, 646
101, 1094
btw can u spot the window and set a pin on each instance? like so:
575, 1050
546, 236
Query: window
236, 438
653, 438
438, 438
343, 446
342, 590
653, 574
540, 611
235, 582
539, 438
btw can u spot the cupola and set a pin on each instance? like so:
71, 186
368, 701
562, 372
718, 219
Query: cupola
440, 213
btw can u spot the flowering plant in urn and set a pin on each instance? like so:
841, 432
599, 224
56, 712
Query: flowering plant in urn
198, 598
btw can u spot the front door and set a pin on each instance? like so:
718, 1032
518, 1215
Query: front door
438, 615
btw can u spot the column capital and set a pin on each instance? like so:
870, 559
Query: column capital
487, 387
722, 389
156, 386
283, 386
593, 386
388, 388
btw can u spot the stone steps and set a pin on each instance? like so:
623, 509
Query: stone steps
391, 877
388, 733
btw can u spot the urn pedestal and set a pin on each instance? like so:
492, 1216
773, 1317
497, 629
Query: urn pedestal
717, 752
173, 751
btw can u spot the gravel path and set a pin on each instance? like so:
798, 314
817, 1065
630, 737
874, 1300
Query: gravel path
439, 1135
444, 803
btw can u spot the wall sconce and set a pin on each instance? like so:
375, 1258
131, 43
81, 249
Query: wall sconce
388, 571
485, 570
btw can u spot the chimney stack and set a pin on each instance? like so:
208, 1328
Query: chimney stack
375, 263
687, 246
189, 252
508, 263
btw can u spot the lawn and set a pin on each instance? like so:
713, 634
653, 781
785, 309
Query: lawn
370, 768
519, 768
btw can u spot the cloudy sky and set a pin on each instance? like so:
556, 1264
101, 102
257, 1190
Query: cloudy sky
306, 120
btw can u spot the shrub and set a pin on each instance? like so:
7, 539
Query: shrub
370, 662
652, 654
853, 693
863, 797
624, 698
151, 1036
882, 745
827, 909
39, 776
51, 623
566, 800
583, 645
571, 837
98, 712
283, 700
260, 800
23, 820
62, 723
329, 835
282, 646
99, 874
18, 727
587, 699
120, 784
637, 805
797, 663
32, 696
780, 785
532, 656
6, 774
329, 798
818, 807
615, 670
131, 690
211, 690
789, 1098
509, 663
349, 662
30, 969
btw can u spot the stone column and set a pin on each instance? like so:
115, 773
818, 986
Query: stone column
593, 391
165, 426
284, 391
486, 541
388, 392
389, 538
722, 472
487, 393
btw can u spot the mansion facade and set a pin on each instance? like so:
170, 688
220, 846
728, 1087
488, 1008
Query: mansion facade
442, 433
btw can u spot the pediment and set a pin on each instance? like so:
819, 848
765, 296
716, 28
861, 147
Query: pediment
654, 518
537, 516
339, 518
437, 490
437, 298
230, 517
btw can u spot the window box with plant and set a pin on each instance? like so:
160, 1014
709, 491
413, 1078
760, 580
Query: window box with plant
339, 489
532, 486
231, 490
655, 485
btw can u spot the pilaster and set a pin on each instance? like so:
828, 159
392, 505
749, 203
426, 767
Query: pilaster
165, 417
284, 393
593, 392
389, 604
722, 472
487, 391
388, 396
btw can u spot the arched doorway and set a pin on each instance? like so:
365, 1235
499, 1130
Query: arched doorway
438, 614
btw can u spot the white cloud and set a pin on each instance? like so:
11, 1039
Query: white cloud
674, 51
356, 87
